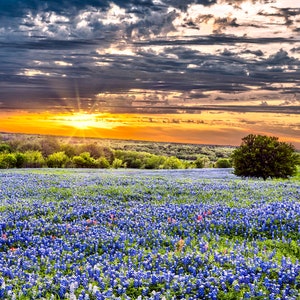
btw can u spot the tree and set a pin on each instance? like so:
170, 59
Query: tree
264, 156
103, 163
84, 160
57, 160
173, 162
7, 160
4, 148
93, 148
117, 163
201, 162
34, 159
49, 146
223, 163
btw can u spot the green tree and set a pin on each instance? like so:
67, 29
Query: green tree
34, 159
173, 162
155, 161
57, 160
69, 149
201, 162
93, 148
7, 160
264, 156
84, 160
20, 157
117, 163
103, 163
4, 148
223, 163
49, 145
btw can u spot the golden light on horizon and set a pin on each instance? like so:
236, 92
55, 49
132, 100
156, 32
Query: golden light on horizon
84, 121
209, 127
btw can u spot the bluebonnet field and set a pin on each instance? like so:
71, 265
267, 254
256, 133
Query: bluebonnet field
198, 234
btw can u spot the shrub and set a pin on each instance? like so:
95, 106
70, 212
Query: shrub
4, 148
84, 160
34, 159
173, 163
93, 149
57, 160
117, 163
154, 162
201, 162
223, 163
7, 160
70, 150
264, 156
49, 146
103, 163
20, 157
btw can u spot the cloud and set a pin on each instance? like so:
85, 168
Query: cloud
181, 53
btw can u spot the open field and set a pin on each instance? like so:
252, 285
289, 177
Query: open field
168, 234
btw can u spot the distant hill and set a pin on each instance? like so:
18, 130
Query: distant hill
181, 151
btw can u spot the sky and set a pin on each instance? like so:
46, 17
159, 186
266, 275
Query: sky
187, 71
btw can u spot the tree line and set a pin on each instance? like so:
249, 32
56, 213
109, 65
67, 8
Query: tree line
49, 152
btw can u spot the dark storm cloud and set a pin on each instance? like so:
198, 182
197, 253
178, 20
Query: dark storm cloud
54, 52
18, 8
285, 13
217, 40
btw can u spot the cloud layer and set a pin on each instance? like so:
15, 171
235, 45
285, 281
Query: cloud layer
150, 55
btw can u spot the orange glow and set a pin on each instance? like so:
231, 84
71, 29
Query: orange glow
217, 127
84, 121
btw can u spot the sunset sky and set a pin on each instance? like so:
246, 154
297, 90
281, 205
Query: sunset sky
201, 71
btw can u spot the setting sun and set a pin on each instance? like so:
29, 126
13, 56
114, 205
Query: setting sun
80, 121
84, 121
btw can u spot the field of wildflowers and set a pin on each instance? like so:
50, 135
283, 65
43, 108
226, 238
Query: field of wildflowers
123, 234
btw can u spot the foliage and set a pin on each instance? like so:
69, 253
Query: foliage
33, 159
103, 163
132, 159
223, 163
69, 149
131, 154
20, 159
93, 148
5, 148
84, 160
7, 160
263, 156
172, 163
155, 162
57, 160
117, 163
201, 162
49, 145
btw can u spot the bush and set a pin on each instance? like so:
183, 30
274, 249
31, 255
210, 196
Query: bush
4, 148
201, 162
263, 156
93, 148
117, 163
70, 150
173, 163
34, 159
57, 160
7, 160
20, 157
103, 163
223, 163
49, 146
84, 160
133, 159
154, 162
